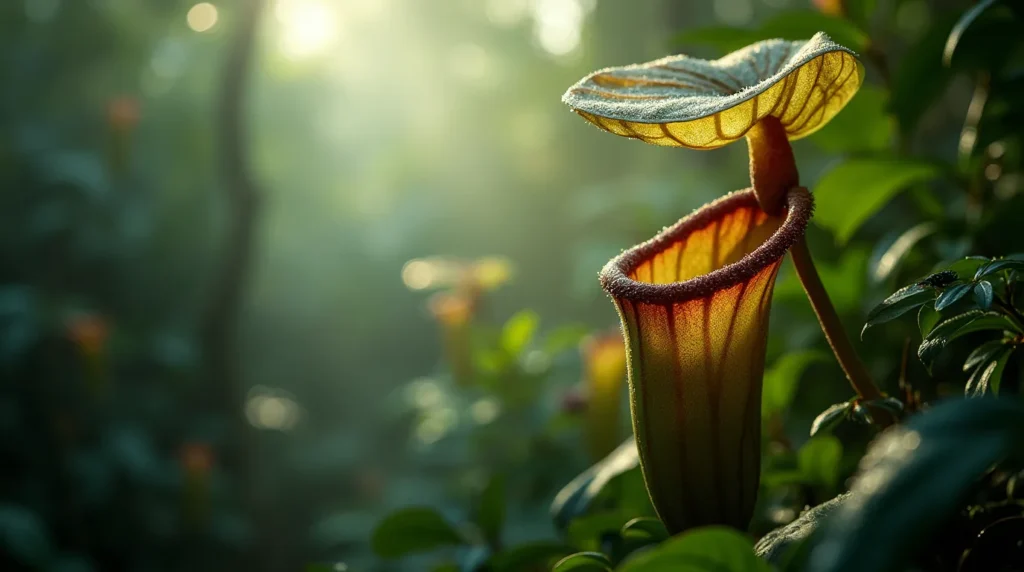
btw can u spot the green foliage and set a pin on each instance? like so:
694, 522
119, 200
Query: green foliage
583, 562
699, 550
412, 530
782, 380
849, 194
912, 479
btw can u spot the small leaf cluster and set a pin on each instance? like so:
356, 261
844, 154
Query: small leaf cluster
975, 294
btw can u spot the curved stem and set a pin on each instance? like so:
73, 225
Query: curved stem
773, 173
830, 324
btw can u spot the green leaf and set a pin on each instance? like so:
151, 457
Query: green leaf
961, 26
864, 124
413, 530
781, 381
983, 294
647, 529
927, 318
564, 338
900, 302
819, 461
829, 418
529, 556
967, 268
576, 497
952, 295
987, 376
583, 562
913, 479
712, 548
849, 194
983, 353
490, 511
518, 332
998, 266
776, 547
586, 532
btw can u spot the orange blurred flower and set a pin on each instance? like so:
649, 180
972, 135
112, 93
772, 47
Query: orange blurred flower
830, 7
454, 311
123, 113
196, 458
604, 374
89, 332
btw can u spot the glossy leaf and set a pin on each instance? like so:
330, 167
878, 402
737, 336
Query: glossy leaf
829, 418
680, 101
575, 498
983, 353
983, 294
952, 295
967, 268
846, 196
413, 530
899, 303
777, 544
715, 548
650, 530
912, 479
583, 562
999, 266
927, 318
987, 376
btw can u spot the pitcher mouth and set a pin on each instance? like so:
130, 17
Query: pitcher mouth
616, 279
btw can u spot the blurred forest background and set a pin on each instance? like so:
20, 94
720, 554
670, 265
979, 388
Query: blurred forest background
145, 426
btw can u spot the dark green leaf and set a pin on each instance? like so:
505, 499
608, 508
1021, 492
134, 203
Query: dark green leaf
819, 461
831, 417
646, 529
987, 376
913, 479
983, 353
583, 562
789, 25
712, 548
777, 544
902, 301
952, 295
983, 294
958, 326
575, 498
586, 532
966, 268
412, 530
961, 26
998, 266
490, 513
530, 556
927, 318
849, 194
725, 39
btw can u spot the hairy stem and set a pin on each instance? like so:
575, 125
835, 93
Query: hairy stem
772, 166
830, 324
773, 173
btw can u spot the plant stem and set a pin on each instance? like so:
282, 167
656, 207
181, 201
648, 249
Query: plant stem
773, 173
830, 324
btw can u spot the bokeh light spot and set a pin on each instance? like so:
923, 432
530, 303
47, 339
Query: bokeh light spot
202, 17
